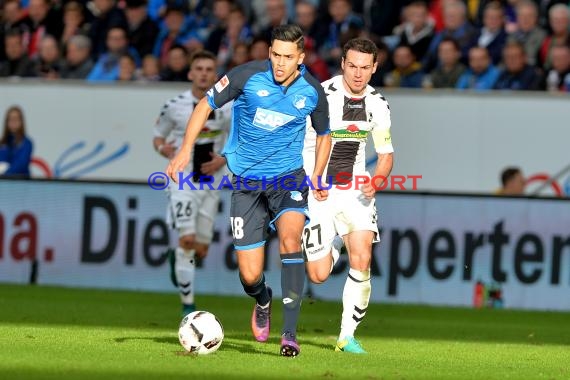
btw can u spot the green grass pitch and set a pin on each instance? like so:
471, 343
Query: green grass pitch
59, 333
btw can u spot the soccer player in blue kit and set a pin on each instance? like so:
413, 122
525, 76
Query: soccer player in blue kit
272, 100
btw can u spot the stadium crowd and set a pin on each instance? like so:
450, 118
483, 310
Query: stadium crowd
464, 44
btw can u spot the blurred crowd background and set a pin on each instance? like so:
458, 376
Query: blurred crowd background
463, 44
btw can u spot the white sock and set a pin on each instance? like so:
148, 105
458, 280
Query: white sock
185, 269
355, 298
337, 245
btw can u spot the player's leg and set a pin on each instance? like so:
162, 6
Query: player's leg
358, 225
357, 288
289, 210
318, 239
248, 221
183, 207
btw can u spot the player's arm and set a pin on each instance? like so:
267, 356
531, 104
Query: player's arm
195, 124
383, 145
320, 122
162, 128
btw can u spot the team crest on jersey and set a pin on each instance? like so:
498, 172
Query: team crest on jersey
300, 101
262, 93
296, 196
222, 83
270, 120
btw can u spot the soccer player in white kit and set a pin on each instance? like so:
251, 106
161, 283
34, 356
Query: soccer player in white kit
357, 111
191, 212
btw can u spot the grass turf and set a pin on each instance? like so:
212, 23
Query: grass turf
60, 333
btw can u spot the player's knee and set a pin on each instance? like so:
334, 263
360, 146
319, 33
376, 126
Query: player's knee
248, 277
187, 241
290, 243
201, 250
317, 276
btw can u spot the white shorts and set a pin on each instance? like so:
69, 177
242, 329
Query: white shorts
343, 212
192, 212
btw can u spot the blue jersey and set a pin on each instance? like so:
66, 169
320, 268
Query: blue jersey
269, 120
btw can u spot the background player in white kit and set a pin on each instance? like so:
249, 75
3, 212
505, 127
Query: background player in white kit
356, 111
192, 212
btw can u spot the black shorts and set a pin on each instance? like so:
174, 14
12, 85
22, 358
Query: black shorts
256, 206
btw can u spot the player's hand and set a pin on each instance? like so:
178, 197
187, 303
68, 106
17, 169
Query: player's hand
168, 151
368, 190
319, 193
177, 165
212, 166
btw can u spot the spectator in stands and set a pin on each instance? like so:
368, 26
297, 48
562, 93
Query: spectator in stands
127, 68
237, 31
107, 16
492, 35
150, 71
384, 65
277, 15
417, 30
457, 27
142, 30
544, 7
15, 146
73, 22
78, 63
43, 18
176, 30
17, 63
512, 181
528, 32
343, 19
49, 63
450, 69
481, 74
307, 18
240, 55
176, 69
10, 18
259, 49
517, 74
559, 21
314, 63
221, 10
380, 16
107, 66
407, 71
558, 77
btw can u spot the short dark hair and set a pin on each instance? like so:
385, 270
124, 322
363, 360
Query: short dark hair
289, 33
201, 54
452, 41
508, 174
362, 45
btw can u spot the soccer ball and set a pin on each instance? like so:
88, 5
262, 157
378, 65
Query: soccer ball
201, 333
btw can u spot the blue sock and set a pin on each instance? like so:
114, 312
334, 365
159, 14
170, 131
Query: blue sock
292, 284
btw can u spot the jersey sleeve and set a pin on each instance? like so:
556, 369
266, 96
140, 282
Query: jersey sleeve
229, 87
320, 115
382, 123
164, 124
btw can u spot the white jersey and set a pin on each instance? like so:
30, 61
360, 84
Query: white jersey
352, 119
171, 125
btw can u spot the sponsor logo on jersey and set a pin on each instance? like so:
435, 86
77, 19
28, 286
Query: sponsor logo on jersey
300, 101
351, 132
262, 93
207, 133
222, 83
270, 120
296, 196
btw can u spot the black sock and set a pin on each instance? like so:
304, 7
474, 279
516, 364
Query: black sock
257, 291
292, 284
